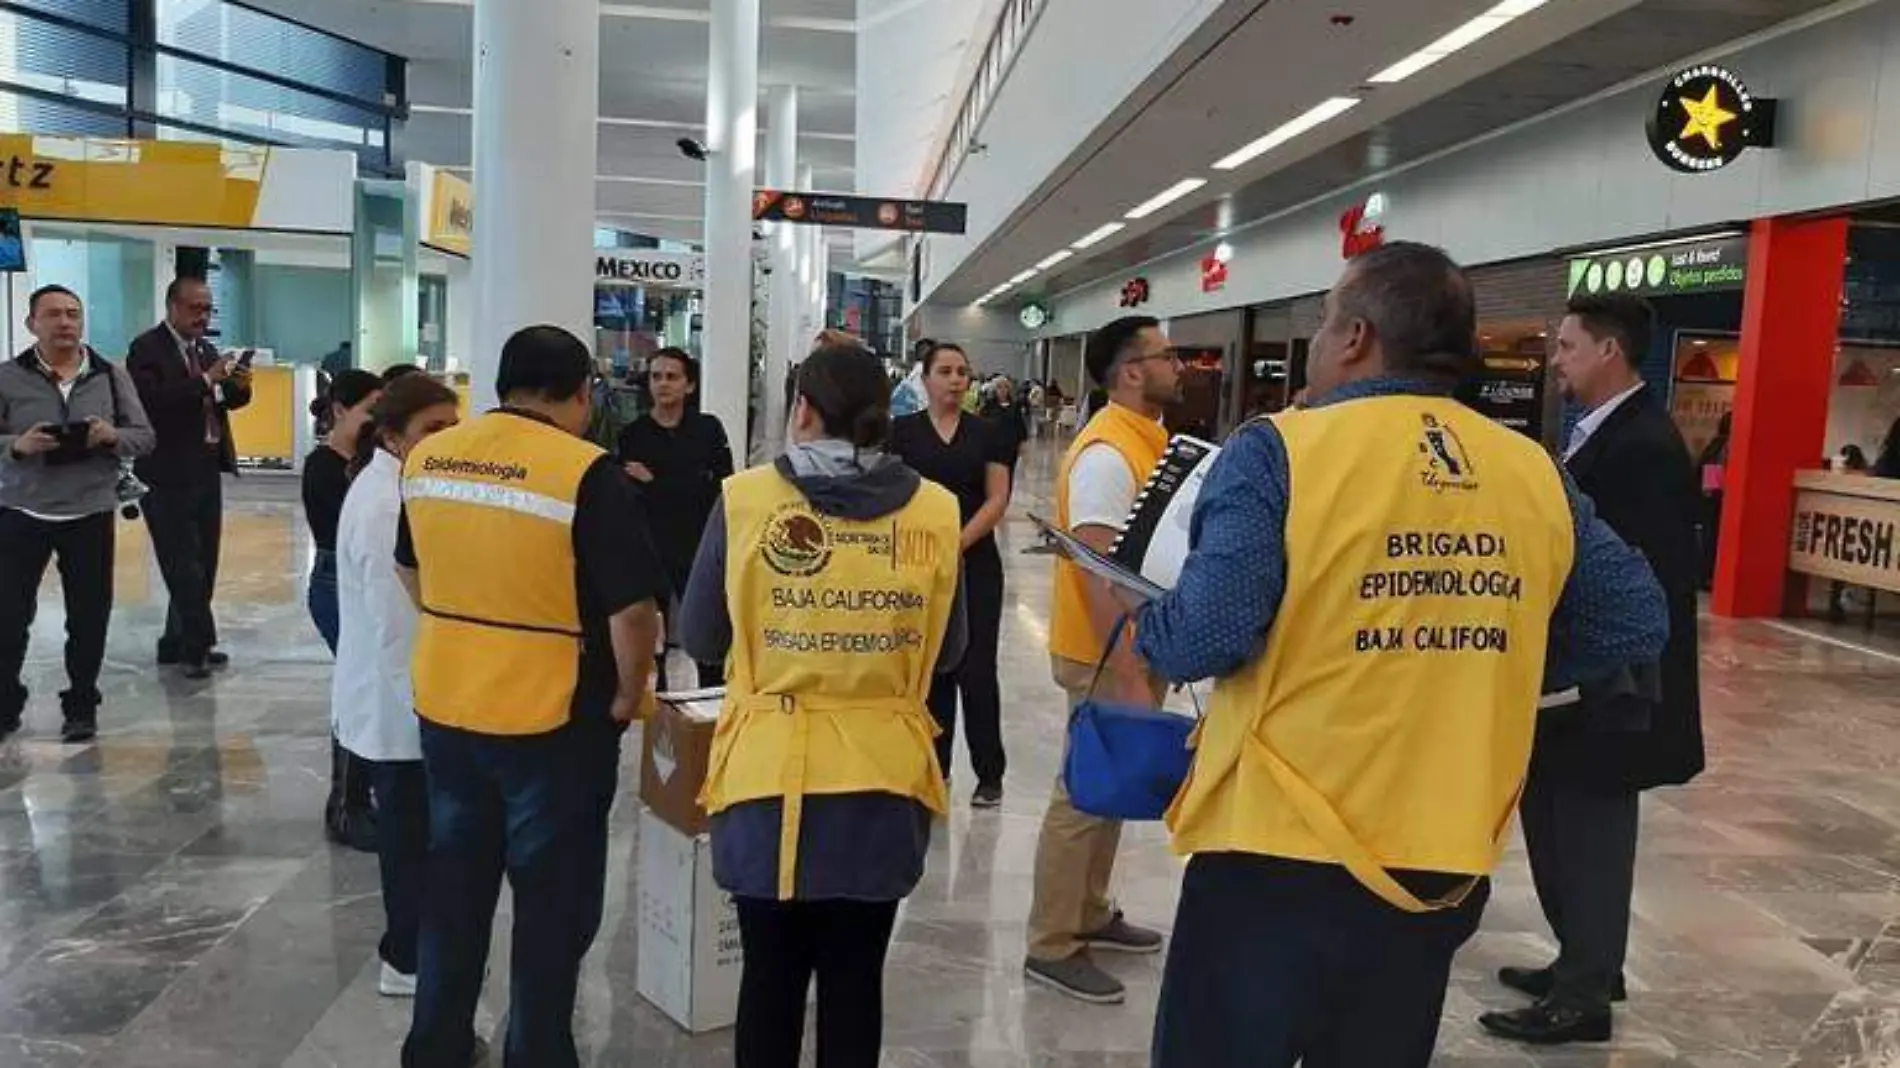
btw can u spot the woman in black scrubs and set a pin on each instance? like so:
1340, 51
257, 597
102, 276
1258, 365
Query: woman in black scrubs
348, 818
678, 457
964, 454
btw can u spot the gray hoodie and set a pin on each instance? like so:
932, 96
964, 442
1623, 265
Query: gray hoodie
856, 847
29, 398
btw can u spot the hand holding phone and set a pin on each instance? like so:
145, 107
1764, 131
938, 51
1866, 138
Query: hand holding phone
42, 438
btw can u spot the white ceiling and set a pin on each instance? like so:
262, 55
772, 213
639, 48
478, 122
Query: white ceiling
652, 91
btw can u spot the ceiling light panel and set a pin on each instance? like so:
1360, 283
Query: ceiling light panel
1054, 259
1314, 116
1023, 277
1097, 236
1166, 197
1457, 40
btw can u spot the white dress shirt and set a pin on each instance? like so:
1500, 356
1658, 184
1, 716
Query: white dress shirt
372, 700
1594, 420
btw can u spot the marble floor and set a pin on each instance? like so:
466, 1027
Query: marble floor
167, 900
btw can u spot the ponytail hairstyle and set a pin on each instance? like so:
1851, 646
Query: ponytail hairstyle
847, 387
402, 400
347, 390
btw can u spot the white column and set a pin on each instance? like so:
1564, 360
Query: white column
810, 238
732, 132
537, 99
781, 172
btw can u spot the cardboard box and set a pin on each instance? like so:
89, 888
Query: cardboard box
689, 960
675, 749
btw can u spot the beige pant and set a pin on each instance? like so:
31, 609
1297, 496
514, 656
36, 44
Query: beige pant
1075, 855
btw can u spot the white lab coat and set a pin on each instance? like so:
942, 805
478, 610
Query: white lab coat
372, 700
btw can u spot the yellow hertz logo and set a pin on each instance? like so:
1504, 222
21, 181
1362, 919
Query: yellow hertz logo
1447, 466
797, 543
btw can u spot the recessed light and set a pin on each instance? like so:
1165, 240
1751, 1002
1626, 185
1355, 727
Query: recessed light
1099, 235
1287, 131
1463, 37
1023, 277
1166, 197
1053, 259
1224, 252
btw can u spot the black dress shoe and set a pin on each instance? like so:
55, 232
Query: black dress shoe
1550, 1023
1539, 982
197, 670
170, 657
79, 729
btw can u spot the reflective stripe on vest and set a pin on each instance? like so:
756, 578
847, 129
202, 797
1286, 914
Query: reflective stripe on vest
491, 507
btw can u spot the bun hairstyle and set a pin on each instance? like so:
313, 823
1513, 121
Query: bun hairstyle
402, 400
936, 351
847, 387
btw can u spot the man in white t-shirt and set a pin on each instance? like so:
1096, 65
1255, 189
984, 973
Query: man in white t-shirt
1072, 915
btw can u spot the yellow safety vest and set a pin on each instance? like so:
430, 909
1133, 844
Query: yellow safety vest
1140, 442
1388, 725
491, 513
836, 629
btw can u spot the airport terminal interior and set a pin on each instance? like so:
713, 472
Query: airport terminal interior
740, 194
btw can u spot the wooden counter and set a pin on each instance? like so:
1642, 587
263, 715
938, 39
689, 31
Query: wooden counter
1846, 527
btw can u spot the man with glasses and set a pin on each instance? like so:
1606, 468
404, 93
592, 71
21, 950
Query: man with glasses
1071, 915
189, 390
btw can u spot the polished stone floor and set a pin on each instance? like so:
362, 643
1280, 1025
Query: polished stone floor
167, 900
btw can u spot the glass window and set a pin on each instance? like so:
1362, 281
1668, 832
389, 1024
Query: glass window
114, 15
26, 114
264, 42
193, 92
56, 59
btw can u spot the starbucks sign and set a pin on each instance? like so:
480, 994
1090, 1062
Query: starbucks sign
1714, 266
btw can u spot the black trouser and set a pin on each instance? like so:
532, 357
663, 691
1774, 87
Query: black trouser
786, 943
534, 808
1582, 845
84, 551
186, 518
402, 843
975, 678
710, 674
1278, 961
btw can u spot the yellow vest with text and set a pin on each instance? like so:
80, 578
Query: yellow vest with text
491, 513
837, 625
1388, 724
1140, 442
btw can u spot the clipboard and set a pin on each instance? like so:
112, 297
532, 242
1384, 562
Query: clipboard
1097, 564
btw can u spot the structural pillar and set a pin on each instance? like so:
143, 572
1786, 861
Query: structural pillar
732, 133
781, 172
811, 319
1791, 316
537, 100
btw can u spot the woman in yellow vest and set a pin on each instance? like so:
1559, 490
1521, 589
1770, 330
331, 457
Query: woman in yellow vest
828, 583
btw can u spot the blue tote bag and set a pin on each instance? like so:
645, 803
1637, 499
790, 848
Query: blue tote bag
1125, 762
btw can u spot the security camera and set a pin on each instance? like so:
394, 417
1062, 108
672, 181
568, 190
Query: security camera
692, 148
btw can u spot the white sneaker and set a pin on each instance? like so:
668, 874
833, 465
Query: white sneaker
394, 984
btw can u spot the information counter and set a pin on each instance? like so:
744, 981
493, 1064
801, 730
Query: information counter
1847, 527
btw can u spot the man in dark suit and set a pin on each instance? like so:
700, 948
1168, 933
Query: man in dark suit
1598, 750
189, 391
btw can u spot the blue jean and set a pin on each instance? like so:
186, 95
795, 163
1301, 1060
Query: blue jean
535, 808
322, 598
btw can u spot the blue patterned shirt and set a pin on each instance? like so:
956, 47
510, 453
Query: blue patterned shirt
1215, 621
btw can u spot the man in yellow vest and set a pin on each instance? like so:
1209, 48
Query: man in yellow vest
529, 559
1376, 580
1096, 487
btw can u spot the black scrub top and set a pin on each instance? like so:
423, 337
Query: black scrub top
960, 465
